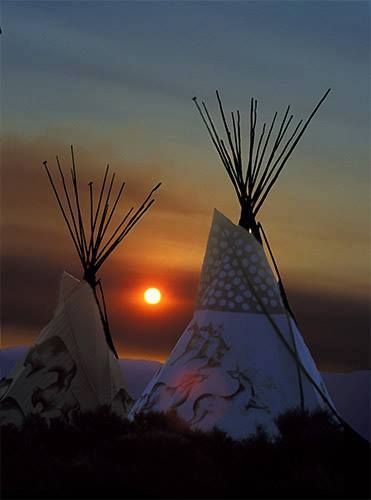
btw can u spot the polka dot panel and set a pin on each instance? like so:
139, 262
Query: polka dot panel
235, 270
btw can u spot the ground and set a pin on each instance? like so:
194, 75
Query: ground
99, 455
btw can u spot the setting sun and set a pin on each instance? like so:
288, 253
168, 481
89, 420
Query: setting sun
152, 295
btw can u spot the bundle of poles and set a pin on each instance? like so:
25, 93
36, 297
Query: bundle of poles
253, 182
93, 239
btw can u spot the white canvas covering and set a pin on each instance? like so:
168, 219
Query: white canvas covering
70, 366
230, 368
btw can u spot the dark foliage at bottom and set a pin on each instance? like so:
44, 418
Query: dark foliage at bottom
99, 455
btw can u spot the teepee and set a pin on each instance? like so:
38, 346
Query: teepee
73, 364
241, 361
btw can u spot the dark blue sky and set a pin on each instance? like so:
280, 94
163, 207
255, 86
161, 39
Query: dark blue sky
167, 51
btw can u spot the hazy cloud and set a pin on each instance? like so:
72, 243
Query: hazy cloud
334, 327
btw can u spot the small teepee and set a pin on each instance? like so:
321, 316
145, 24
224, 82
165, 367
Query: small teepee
241, 360
73, 364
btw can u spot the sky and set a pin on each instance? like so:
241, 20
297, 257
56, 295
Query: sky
116, 80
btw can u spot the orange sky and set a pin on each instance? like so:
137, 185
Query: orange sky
313, 247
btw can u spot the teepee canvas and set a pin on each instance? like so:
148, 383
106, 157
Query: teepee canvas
242, 360
69, 368
73, 365
230, 368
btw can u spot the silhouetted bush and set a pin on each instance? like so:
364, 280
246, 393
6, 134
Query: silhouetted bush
100, 455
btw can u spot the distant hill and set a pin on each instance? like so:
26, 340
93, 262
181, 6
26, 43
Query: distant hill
351, 392
9, 357
137, 373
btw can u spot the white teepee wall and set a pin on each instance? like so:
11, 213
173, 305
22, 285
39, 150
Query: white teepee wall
70, 366
230, 368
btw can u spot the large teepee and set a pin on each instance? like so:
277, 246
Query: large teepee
73, 364
241, 360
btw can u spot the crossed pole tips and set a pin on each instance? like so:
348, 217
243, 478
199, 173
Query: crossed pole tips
91, 234
253, 179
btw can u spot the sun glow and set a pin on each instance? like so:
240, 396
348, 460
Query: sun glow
152, 296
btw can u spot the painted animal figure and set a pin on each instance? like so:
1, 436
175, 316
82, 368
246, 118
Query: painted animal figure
215, 346
215, 405
64, 375
52, 350
193, 342
178, 393
53, 403
245, 384
11, 412
206, 344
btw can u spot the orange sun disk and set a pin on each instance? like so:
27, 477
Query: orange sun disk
152, 296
